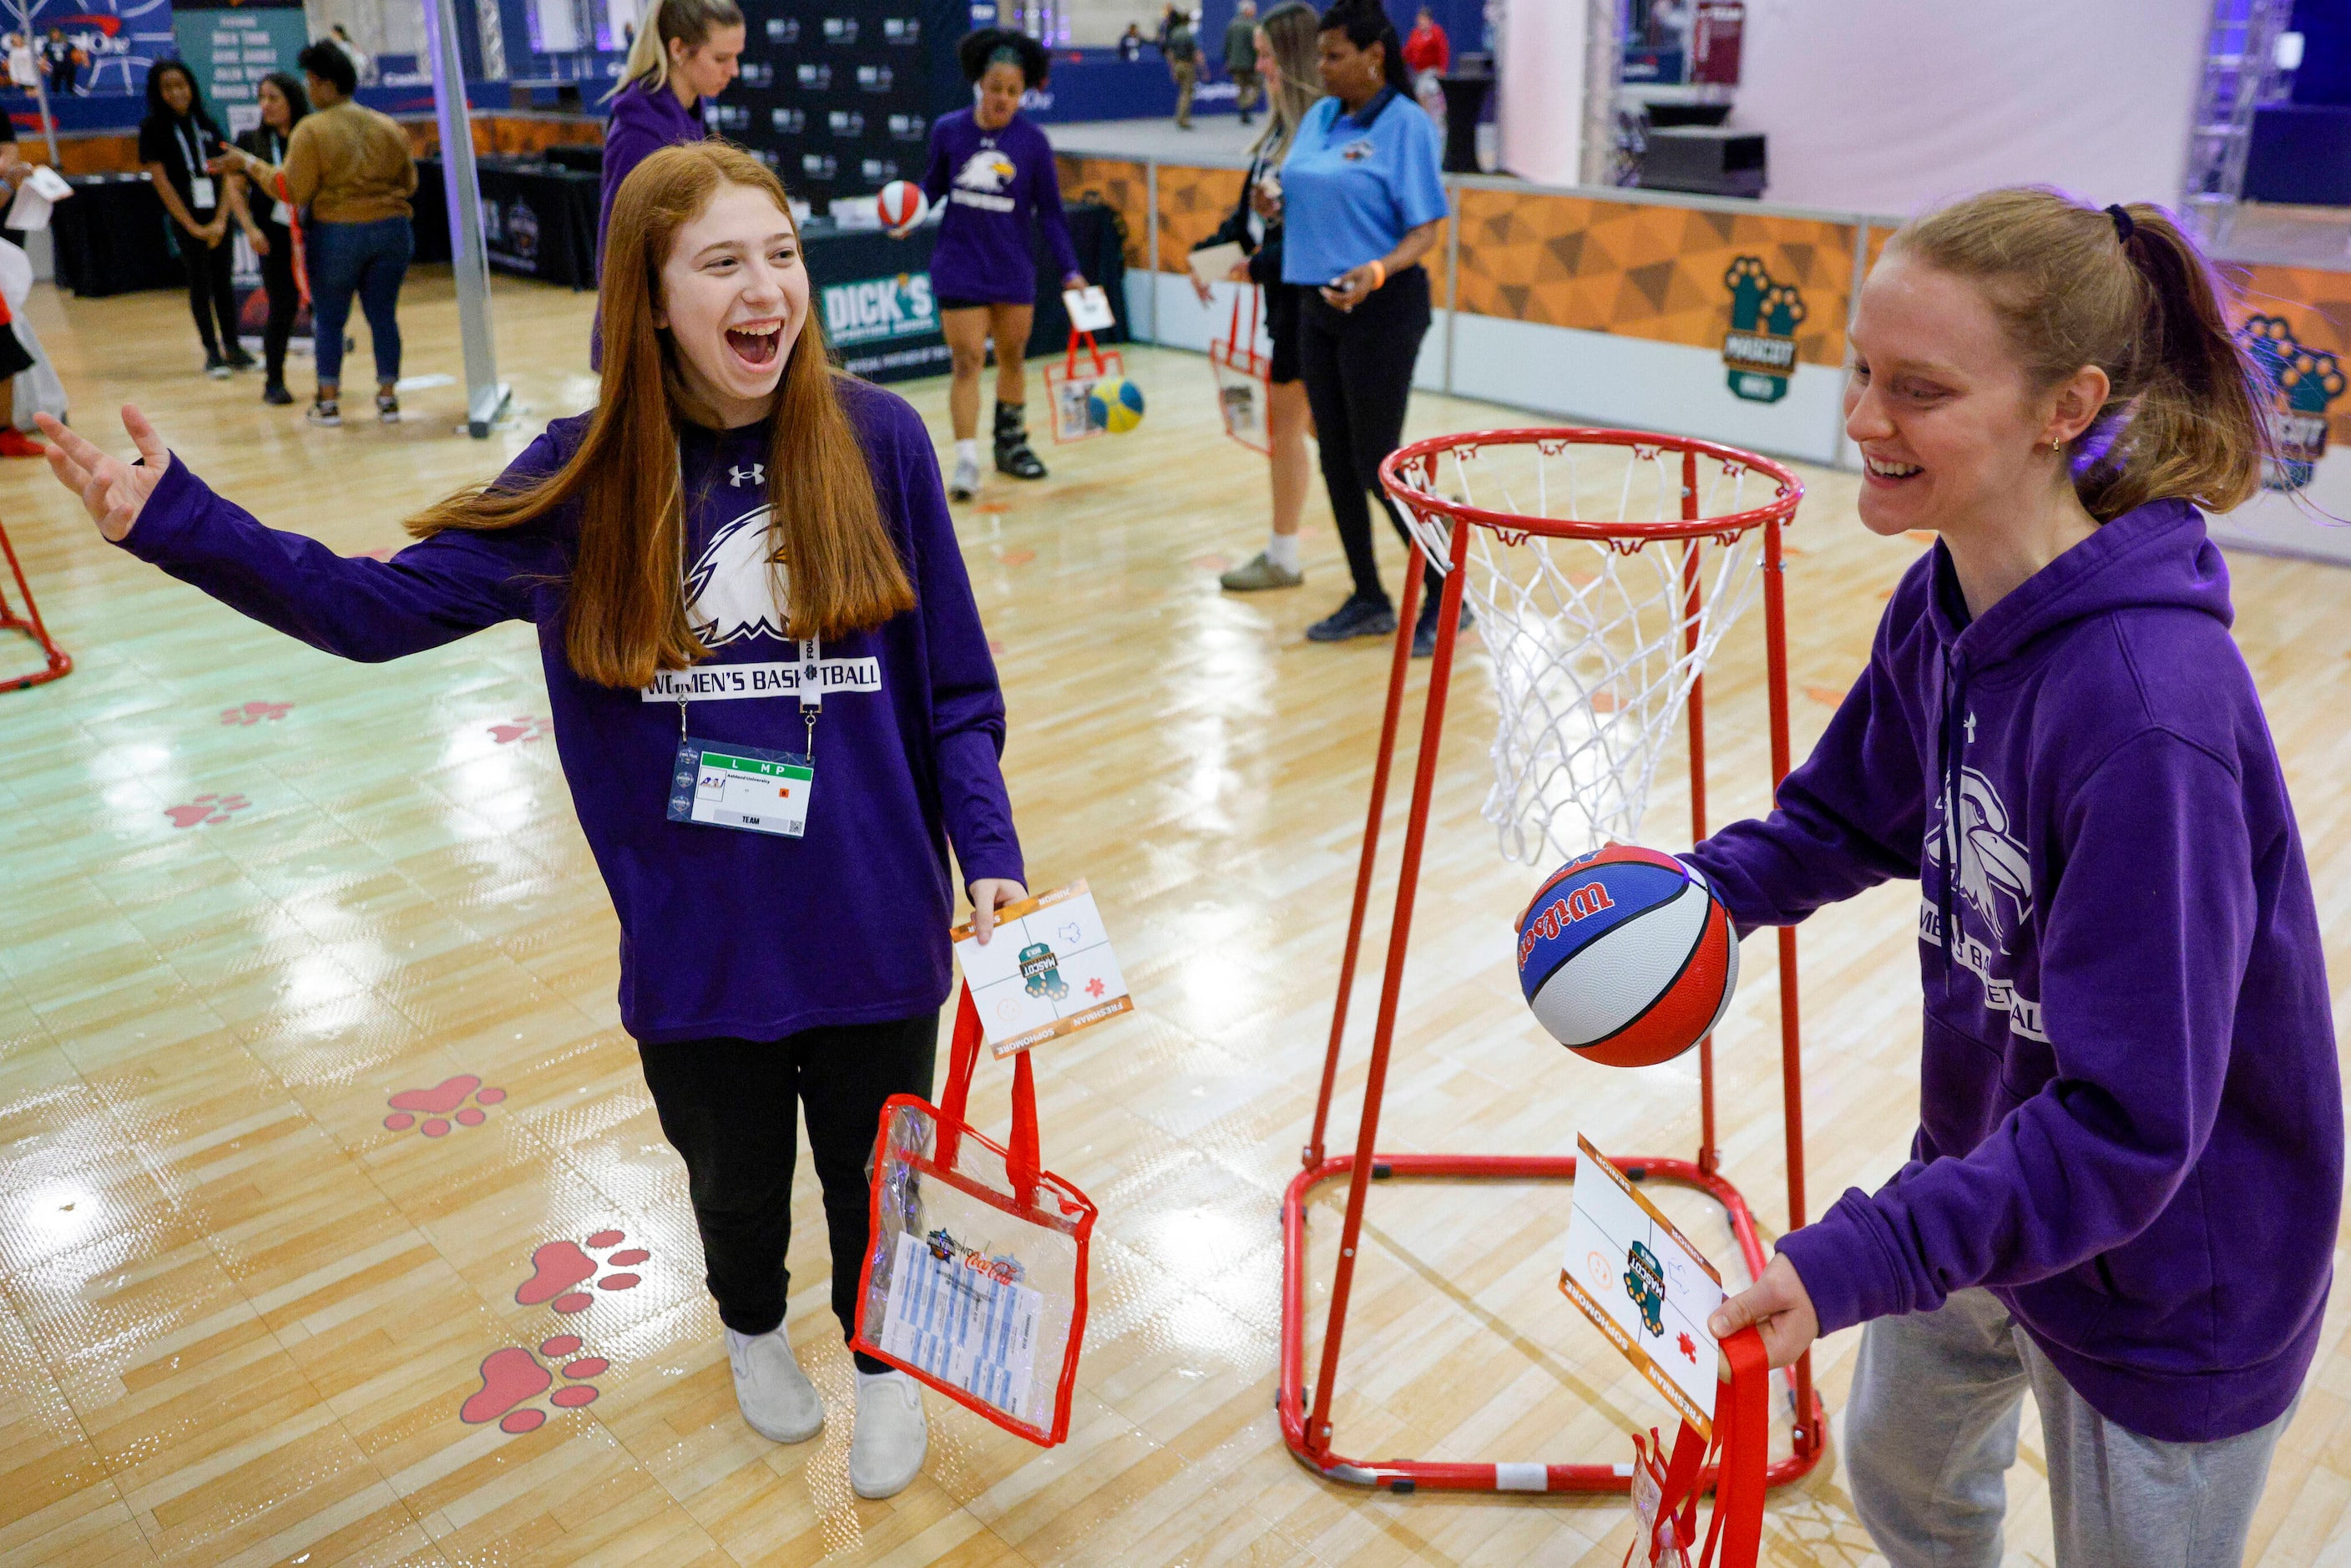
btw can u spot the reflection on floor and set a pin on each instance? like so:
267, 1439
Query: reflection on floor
335, 1224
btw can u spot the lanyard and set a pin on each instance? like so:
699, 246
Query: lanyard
812, 650
185, 133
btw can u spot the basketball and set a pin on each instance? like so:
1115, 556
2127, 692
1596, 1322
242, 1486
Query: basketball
901, 203
1626, 956
1116, 405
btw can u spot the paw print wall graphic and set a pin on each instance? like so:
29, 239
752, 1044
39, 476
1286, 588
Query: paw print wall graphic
443, 1104
2304, 385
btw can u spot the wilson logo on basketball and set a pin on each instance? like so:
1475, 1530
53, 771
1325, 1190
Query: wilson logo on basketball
1581, 904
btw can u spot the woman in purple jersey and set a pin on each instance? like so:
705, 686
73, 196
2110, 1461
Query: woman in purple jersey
993, 172
732, 518
2123, 1189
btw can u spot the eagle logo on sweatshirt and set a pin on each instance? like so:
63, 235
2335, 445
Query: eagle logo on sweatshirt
985, 170
1995, 872
736, 590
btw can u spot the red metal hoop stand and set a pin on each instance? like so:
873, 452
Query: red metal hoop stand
59, 662
1407, 474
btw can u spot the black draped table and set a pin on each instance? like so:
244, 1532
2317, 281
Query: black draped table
110, 237
538, 219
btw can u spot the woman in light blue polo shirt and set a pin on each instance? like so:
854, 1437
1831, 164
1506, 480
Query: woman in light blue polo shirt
1362, 198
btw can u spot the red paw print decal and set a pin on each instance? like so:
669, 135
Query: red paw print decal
256, 713
206, 809
513, 1377
1094, 987
559, 1268
524, 728
442, 1104
1688, 1349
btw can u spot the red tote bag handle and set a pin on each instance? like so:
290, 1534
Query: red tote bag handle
1070, 364
1743, 1435
294, 237
963, 1062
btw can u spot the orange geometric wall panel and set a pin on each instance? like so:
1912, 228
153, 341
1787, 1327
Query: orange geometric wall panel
1193, 205
1118, 184
1658, 272
2306, 315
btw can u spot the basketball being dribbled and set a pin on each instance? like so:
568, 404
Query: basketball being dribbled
1116, 405
901, 203
1626, 956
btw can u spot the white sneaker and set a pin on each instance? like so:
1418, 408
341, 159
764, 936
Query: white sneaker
775, 1395
966, 483
886, 1451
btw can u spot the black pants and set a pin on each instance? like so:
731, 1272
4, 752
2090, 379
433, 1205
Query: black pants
209, 300
284, 299
726, 1105
1357, 366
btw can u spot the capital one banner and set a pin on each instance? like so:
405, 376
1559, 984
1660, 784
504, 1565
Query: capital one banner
92, 49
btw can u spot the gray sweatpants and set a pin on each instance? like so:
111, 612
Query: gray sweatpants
1931, 1433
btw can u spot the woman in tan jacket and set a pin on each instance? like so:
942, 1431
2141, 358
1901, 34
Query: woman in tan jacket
351, 166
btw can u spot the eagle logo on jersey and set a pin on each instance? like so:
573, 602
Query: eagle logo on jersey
985, 170
734, 591
1995, 872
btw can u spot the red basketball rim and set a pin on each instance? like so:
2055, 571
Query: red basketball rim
1422, 456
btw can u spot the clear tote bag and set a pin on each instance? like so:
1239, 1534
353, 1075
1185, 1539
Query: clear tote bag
1069, 387
975, 1280
1244, 377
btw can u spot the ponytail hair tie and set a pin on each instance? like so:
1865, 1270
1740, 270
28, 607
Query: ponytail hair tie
2123, 227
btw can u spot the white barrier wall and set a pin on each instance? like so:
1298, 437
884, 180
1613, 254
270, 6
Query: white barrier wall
1889, 106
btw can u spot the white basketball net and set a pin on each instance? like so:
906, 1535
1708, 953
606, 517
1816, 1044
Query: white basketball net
1589, 640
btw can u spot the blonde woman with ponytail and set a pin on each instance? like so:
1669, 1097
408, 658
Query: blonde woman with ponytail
684, 51
739, 545
2124, 1187
1285, 65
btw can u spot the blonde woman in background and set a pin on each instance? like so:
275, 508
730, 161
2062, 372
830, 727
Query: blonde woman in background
683, 53
1285, 64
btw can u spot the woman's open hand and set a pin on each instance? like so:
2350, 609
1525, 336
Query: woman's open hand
988, 894
113, 492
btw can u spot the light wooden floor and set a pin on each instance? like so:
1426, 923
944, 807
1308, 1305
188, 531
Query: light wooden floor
246, 1295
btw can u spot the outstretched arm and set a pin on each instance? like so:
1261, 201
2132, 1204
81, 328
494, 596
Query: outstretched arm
433, 592
1852, 816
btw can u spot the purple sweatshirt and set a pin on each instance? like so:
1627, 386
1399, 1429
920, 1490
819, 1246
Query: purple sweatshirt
722, 932
2131, 1122
993, 183
644, 121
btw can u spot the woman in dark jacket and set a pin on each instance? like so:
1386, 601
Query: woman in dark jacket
1285, 61
267, 222
176, 142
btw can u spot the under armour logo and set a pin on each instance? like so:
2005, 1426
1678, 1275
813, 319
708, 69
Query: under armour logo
755, 475
1971, 728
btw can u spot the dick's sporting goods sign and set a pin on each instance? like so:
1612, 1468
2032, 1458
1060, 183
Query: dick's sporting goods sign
877, 309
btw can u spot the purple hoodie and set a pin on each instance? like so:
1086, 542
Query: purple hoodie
644, 121
993, 182
2131, 1122
722, 932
